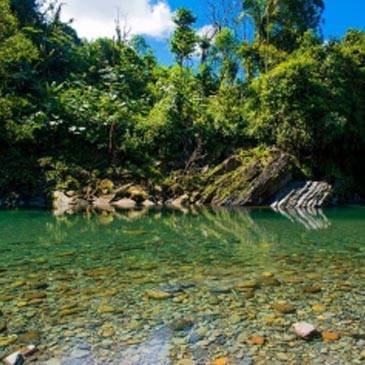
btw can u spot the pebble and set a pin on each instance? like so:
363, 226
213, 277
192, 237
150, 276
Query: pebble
284, 308
282, 356
330, 336
3, 326
158, 294
256, 340
318, 308
221, 361
304, 330
8, 340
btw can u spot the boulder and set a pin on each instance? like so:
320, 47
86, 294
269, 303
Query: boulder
103, 202
249, 179
125, 203
304, 330
148, 203
62, 203
303, 194
18, 358
181, 201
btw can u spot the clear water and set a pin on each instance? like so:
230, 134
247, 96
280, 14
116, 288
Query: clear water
88, 287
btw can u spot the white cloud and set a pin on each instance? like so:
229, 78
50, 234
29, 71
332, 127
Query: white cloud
207, 31
96, 18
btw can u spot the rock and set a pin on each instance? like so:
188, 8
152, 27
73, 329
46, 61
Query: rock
106, 309
256, 178
256, 340
148, 203
107, 330
18, 358
267, 274
181, 201
181, 325
362, 354
3, 326
53, 361
312, 289
158, 294
302, 194
14, 359
249, 284
61, 202
185, 362
284, 308
304, 330
125, 203
106, 186
221, 361
282, 356
8, 340
222, 289
318, 308
30, 337
137, 193
328, 336
268, 281
176, 288
103, 202
246, 360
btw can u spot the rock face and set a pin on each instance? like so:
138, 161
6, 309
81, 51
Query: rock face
304, 194
258, 177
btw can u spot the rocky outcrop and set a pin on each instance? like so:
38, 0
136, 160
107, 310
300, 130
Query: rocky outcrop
258, 177
106, 197
304, 194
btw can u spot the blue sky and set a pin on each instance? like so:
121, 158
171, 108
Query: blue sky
339, 16
153, 18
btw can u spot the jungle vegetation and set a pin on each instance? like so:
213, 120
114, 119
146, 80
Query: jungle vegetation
72, 110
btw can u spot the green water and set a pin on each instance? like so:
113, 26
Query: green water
93, 279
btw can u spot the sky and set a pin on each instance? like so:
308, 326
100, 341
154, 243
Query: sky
153, 18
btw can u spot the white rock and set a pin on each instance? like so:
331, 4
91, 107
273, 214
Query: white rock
15, 358
125, 204
304, 329
148, 203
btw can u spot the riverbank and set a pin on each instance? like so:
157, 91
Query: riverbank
257, 177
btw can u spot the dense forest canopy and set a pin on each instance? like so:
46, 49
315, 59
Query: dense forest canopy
73, 110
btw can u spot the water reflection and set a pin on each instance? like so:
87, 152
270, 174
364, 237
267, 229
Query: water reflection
310, 218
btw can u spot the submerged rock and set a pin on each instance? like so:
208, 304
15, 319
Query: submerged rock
8, 340
329, 336
284, 308
304, 330
158, 294
14, 359
19, 357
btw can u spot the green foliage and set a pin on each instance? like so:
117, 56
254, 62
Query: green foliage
310, 102
73, 112
184, 39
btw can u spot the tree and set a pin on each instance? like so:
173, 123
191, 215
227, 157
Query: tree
283, 22
184, 39
226, 46
27, 12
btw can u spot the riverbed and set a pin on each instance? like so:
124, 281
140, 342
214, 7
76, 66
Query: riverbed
192, 286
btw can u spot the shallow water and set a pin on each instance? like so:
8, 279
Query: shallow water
193, 287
